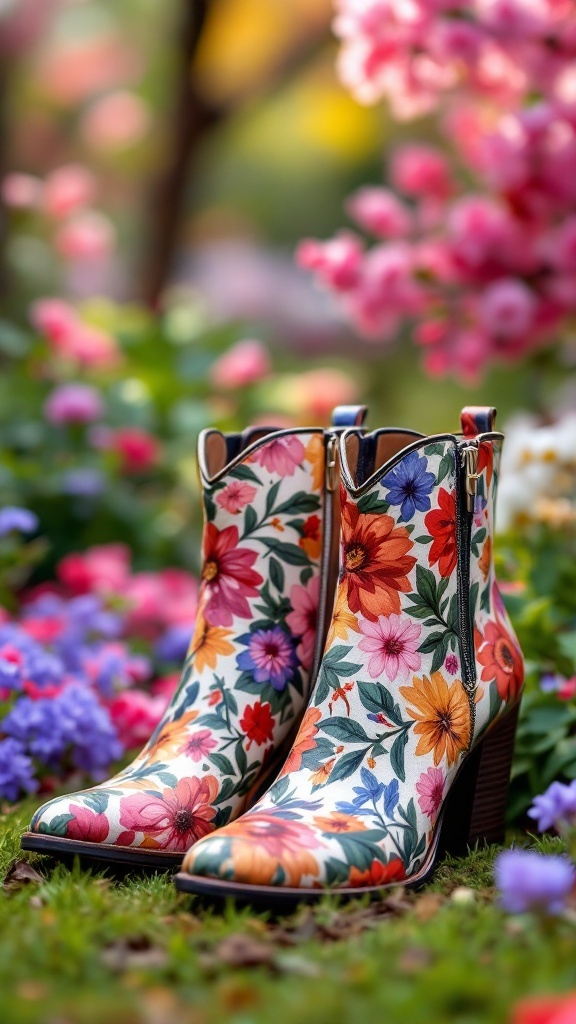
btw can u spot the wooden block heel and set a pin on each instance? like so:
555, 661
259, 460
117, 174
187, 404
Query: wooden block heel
476, 809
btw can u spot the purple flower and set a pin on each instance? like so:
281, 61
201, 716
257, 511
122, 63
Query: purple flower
533, 881
173, 644
14, 518
16, 770
451, 664
270, 656
556, 805
73, 403
551, 683
83, 483
409, 485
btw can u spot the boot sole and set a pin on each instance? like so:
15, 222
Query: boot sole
68, 849
473, 812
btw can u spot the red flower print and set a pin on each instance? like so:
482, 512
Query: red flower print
227, 576
375, 561
441, 523
257, 723
378, 873
86, 825
501, 660
310, 541
305, 740
173, 819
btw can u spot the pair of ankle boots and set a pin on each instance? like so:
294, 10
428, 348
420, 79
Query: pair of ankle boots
348, 705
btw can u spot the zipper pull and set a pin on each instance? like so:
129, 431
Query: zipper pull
332, 463
470, 464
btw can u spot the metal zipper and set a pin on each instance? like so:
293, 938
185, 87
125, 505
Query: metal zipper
467, 479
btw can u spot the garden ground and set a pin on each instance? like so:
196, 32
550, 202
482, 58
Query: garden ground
81, 948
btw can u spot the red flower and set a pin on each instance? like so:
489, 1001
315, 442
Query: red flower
257, 723
310, 541
375, 561
86, 825
378, 873
227, 577
173, 819
501, 659
545, 1010
138, 449
441, 523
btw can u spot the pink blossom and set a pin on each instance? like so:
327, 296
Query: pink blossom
73, 403
135, 715
282, 455
430, 786
392, 643
336, 263
507, 308
21, 191
245, 363
116, 121
156, 601
420, 170
235, 496
86, 236
314, 394
166, 686
89, 347
138, 450
379, 211
104, 569
199, 745
68, 189
302, 620
53, 317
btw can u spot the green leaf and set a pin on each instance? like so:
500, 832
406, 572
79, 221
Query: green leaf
97, 800
371, 503
289, 553
423, 539
300, 504
241, 759
344, 729
397, 755
244, 473
58, 825
276, 573
346, 766
271, 497
250, 519
378, 700
446, 466
222, 763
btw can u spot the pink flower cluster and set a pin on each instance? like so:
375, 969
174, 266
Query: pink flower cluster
484, 272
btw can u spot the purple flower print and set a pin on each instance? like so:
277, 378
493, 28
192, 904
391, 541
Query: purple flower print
270, 657
533, 881
409, 485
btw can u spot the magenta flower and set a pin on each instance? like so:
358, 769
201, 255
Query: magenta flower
451, 664
281, 456
175, 818
235, 496
430, 786
227, 576
270, 656
533, 881
392, 644
73, 403
301, 621
200, 745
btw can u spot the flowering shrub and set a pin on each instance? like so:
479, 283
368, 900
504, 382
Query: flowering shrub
475, 247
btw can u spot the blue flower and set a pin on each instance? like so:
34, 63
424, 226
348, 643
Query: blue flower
556, 805
409, 485
270, 656
16, 770
173, 644
20, 519
83, 483
533, 881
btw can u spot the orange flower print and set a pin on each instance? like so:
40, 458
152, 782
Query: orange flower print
501, 660
337, 821
378, 874
208, 644
172, 737
305, 740
311, 539
314, 454
262, 843
443, 716
485, 560
441, 524
342, 619
375, 561
322, 774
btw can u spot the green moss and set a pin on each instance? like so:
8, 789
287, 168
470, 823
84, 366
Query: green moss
85, 949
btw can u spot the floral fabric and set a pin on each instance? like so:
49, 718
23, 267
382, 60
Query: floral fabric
245, 680
390, 720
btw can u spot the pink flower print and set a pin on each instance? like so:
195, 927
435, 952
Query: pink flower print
281, 456
199, 745
301, 621
451, 664
392, 644
86, 825
173, 819
228, 578
430, 786
235, 496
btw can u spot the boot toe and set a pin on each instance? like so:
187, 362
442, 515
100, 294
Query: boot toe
74, 816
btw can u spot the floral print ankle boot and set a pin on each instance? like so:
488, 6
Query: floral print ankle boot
259, 632
406, 744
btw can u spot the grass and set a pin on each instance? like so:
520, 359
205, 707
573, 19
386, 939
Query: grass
82, 948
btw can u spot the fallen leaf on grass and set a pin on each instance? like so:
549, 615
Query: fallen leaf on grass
427, 906
135, 952
240, 951
20, 874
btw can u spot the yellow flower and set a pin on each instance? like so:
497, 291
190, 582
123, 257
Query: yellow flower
443, 716
208, 643
314, 453
342, 618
